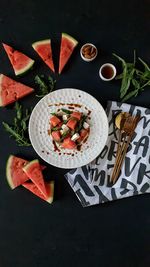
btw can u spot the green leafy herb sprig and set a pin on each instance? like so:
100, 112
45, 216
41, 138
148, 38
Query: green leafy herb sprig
19, 129
133, 79
45, 85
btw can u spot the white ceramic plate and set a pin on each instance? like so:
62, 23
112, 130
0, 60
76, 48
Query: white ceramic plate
39, 125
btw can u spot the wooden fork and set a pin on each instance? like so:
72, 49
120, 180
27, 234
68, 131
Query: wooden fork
128, 128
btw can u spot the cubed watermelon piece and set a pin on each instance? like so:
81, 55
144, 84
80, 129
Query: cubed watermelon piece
76, 115
68, 143
84, 133
72, 123
56, 135
54, 121
60, 124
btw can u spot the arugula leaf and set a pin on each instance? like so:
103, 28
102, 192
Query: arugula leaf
19, 129
45, 87
81, 122
18, 109
66, 111
55, 129
51, 83
42, 85
63, 136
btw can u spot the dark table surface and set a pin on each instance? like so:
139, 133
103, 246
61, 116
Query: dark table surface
33, 233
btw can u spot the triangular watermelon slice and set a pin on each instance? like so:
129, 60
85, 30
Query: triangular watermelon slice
44, 50
14, 172
67, 46
34, 189
33, 171
20, 62
11, 91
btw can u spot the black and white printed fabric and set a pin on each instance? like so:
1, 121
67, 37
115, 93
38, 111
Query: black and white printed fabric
91, 182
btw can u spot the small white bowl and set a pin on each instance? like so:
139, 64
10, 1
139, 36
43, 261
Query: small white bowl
88, 59
109, 65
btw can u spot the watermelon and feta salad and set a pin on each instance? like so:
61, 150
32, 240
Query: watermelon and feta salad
69, 129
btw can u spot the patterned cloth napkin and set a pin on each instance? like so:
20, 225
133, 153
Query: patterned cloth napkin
91, 182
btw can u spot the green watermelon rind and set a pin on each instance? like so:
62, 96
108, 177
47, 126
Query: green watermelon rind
50, 199
25, 69
46, 41
28, 165
70, 38
8, 172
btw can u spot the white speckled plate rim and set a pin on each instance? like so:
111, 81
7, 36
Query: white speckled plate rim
39, 125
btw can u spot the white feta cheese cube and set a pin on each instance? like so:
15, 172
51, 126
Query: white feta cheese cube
65, 127
65, 117
86, 125
75, 137
61, 131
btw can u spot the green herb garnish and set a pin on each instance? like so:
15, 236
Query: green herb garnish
80, 124
133, 79
45, 85
66, 111
55, 129
19, 129
65, 121
63, 136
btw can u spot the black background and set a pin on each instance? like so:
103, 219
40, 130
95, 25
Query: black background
32, 232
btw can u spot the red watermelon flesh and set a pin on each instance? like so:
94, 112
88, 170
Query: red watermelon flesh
34, 189
33, 171
44, 50
68, 45
20, 62
11, 91
14, 172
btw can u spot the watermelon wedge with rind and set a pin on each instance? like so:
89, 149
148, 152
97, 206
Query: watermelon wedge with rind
33, 171
44, 50
14, 172
11, 91
68, 44
34, 189
19, 61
